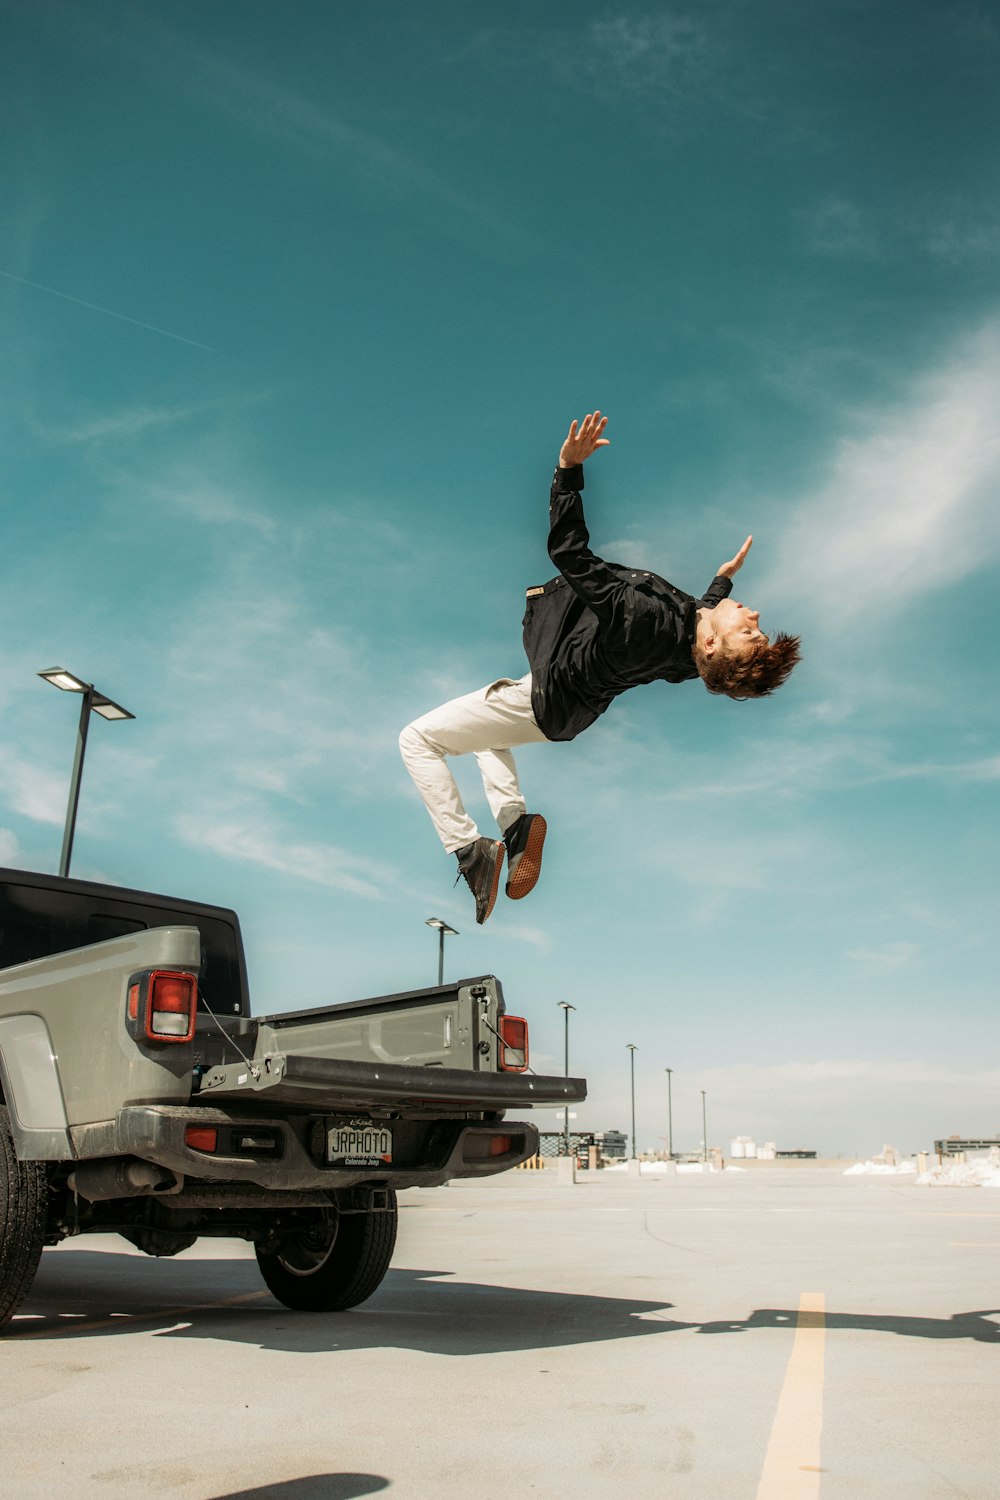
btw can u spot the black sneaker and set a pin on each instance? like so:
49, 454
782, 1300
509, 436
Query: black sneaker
481, 863
524, 840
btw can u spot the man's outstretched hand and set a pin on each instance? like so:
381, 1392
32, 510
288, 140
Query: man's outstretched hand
584, 440
735, 563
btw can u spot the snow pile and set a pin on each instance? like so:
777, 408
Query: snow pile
879, 1169
984, 1171
659, 1168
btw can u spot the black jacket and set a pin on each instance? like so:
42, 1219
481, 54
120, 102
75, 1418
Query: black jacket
600, 628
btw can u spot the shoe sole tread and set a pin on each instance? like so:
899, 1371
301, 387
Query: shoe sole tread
529, 863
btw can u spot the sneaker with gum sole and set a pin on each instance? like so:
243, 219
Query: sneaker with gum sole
524, 840
480, 865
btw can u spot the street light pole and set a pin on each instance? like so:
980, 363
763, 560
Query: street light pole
704, 1129
74, 784
565, 1007
670, 1116
93, 702
632, 1051
442, 928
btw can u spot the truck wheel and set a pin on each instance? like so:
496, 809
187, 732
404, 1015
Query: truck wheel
334, 1265
23, 1210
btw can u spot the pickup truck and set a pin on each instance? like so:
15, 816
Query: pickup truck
140, 1097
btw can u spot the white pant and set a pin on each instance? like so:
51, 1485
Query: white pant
484, 724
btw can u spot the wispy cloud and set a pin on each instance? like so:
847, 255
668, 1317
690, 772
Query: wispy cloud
961, 233
213, 503
638, 52
280, 850
964, 237
10, 850
534, 937
910, 502
30, 789
126, 424
889, 957
838, 227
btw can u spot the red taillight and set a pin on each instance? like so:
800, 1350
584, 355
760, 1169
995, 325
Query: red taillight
513, 1044
201, 1137
170, 1007
499, 1145
161, 1006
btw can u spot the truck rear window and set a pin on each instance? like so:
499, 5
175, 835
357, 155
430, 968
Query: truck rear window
36, 921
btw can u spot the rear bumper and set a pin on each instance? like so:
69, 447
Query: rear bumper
156, 1133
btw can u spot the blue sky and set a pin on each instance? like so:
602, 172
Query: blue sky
297, 301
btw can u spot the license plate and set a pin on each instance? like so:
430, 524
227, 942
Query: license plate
359, 1145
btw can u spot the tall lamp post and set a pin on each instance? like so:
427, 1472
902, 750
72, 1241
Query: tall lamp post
442, 929
93, 701
704, 1129
631, 1052
565, 1007
670, 1116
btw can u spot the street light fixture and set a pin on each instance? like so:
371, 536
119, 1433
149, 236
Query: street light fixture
670, 1115
704, 1129
93, 701
565, 1007
442, 928
632, 1049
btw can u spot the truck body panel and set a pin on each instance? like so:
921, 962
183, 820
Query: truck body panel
80, 999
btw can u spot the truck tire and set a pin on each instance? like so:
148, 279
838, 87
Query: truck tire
23, 1211
334, 1265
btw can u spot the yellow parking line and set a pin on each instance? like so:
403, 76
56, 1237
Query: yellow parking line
164, 1314
791, 1464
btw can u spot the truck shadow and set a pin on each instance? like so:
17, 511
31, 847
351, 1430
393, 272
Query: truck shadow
100, 1294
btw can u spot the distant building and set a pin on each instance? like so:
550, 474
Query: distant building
612, 1145
954, 1145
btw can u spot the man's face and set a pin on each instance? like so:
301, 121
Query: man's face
736, 627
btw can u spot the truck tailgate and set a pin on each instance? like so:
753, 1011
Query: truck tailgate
327, 1083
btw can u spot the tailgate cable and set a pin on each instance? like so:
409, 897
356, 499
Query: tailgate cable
253, 1068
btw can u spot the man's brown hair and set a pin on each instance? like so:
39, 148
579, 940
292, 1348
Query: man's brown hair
749, 674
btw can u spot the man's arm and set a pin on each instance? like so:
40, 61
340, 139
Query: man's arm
569, 540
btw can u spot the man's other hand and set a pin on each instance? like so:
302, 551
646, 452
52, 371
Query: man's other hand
584, 440
735, 563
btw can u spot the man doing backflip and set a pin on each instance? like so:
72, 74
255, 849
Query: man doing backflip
589, 634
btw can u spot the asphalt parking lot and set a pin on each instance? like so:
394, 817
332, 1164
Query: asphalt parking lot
775, 1335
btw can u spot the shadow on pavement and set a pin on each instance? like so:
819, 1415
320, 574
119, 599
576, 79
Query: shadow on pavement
102, 1294
314, 1487
970, 1325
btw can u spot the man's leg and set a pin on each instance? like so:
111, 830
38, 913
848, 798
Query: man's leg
486, 724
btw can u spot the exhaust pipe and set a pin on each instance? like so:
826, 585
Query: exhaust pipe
122, 1177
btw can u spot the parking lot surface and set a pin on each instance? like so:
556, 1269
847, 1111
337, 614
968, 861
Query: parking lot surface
768, 1335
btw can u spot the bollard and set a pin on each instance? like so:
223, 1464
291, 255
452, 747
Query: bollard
566, 1168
